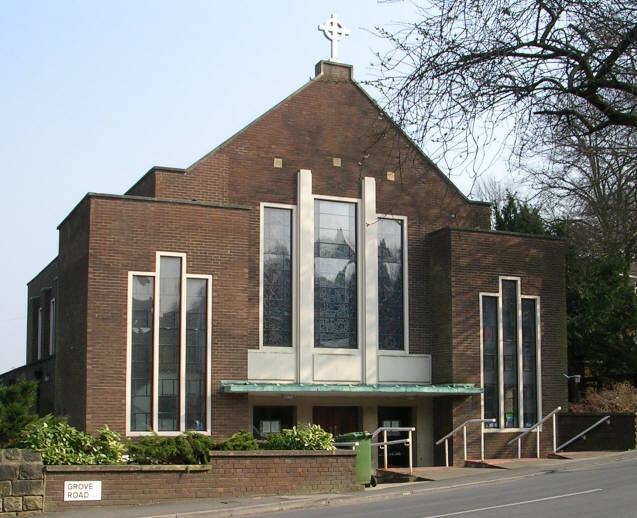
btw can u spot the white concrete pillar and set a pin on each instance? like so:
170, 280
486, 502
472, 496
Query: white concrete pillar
305, 282
370, 283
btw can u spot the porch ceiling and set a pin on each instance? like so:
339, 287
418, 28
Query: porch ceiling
249, 387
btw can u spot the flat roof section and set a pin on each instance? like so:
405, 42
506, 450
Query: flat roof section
451, 389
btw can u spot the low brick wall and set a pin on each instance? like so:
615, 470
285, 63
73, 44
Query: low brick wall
229, 474
620, 434
21, 482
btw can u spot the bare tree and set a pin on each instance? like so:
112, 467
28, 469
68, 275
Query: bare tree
527, 73
590, 181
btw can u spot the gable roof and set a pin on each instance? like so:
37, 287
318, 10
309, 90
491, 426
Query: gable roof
338, 72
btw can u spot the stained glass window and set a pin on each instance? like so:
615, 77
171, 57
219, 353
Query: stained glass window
529, 361
277, 277
390, 285
490, 363
169, 342
141, 408
501, 368
196, 341
174, 340
335, 278
510, 352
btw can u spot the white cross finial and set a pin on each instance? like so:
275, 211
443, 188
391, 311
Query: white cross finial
334, 31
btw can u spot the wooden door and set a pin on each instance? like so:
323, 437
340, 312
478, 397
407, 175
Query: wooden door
337, 419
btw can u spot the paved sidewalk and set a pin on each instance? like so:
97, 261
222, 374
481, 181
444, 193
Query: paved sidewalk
441, 478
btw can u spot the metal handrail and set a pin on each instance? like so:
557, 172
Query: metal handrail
607, 418
393, 429
464, 427
537, 439
385, 442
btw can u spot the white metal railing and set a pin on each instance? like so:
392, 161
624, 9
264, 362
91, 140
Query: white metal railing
537, 434
464, 433
561, 446
407, 442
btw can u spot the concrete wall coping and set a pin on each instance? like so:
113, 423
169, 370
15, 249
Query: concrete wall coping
104, 468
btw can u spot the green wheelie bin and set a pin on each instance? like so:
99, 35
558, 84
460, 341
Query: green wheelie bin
364, 458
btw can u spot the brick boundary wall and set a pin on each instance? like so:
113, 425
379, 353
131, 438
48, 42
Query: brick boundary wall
21, 482
229, 474
620, 434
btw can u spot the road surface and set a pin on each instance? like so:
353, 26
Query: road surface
607, 490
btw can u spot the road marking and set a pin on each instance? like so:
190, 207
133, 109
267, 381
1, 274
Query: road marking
513, 504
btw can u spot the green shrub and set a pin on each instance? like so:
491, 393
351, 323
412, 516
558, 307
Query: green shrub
240, 441
16, 410
61, 443
302, 437
190, 448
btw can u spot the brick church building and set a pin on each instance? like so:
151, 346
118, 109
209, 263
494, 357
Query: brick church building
315, 267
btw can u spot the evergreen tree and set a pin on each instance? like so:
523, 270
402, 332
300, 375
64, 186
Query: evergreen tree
16, 409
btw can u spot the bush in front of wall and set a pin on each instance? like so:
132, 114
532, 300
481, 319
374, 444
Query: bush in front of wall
240, 441
189, 448
61, 443
301, 437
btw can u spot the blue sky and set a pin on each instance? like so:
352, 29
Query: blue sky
93, 94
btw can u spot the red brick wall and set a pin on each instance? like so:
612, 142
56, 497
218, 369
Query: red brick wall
230, 474
330, 117
70, 357
41, 289
477, 259
125, 235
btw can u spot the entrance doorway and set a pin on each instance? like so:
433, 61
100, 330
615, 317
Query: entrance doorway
337, 419
395, 416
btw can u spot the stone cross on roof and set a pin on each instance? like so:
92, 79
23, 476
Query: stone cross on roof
334, 31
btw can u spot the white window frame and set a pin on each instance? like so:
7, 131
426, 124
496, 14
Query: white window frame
360, 274
295, 259
52, 317
405, 349
538, 358
182, 366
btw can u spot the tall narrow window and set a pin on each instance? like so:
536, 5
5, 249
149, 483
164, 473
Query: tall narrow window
335, 304
529, 361
40, 342
170, 349
490, 362
390, 284
510, 363
141, 369
277, 277
52, 327
169, 342
196, 341
510, 352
